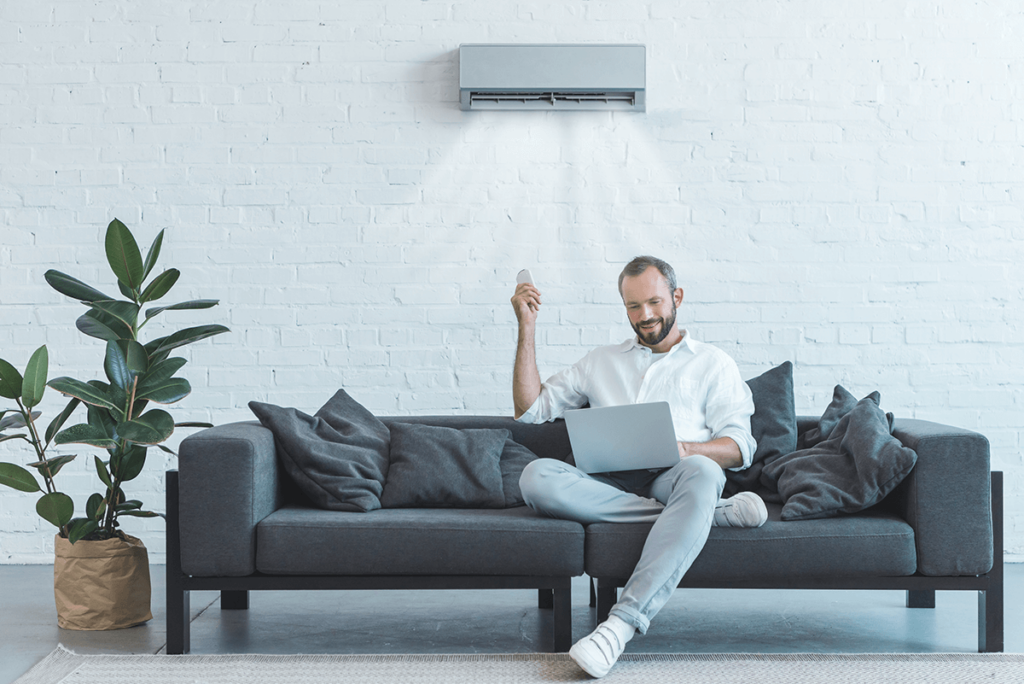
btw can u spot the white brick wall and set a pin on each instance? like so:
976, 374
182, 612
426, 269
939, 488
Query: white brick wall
838, 184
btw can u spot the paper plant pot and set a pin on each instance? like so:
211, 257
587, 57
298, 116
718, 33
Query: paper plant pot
101, 584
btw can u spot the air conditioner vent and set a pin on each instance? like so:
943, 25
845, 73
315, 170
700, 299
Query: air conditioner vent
552, 100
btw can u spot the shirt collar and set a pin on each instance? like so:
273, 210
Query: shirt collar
634, 343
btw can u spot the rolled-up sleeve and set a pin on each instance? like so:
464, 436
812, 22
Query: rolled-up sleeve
562, 391
729, 407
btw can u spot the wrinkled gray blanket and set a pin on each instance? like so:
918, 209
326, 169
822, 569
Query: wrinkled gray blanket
850, 462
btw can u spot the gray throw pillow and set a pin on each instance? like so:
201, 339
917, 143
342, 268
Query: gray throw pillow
841, 404
514, 458
338, 458
855, 467
441, 467
773, 426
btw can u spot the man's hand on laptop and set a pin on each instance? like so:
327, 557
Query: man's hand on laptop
526, 302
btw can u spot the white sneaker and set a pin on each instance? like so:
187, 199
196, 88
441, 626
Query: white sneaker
745, 509
598, 651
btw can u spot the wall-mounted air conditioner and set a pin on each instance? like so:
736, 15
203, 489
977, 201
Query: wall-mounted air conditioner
550, 77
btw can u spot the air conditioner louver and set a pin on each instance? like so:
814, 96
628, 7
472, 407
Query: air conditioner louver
552, 77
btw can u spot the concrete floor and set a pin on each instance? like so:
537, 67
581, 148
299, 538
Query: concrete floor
506, 621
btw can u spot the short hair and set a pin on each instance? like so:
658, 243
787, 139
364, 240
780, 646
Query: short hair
641, 263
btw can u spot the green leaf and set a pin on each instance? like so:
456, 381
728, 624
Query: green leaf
193, 424
34, 383
153, 254
53, 464
80, 528
129, 505
102, 326
162, 370
165, 391
163, 448
183, 337
72, 287
81, 390
101, 470
118, 397
10, 381
95, 506
59, 421
151, 427
16, 477
125, 291
116, 366
125, 312
181, 306
85, 433
17, 436
137, 358
141, 514
105, 418
160, 286
16, 419
56, 508
132, 464
123, 255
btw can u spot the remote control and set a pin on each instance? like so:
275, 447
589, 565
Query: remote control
524, 277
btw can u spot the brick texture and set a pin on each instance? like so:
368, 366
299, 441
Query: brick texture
839, 185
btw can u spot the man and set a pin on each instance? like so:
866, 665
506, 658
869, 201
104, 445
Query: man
711, 408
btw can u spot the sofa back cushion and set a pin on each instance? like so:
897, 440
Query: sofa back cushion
773, 426
440, 467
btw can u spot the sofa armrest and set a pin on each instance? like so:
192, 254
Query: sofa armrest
228, 482
947, 498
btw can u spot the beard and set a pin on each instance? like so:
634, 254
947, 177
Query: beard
654, 337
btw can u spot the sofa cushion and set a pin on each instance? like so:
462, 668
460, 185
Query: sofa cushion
773, 426
338, 458
868, 544
854, 468
440, 467
403, 541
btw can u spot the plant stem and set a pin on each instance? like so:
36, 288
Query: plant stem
40, 450
131, 400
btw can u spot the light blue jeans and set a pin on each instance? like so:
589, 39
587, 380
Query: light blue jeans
680, 501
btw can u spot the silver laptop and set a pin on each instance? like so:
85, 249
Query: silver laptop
630, 437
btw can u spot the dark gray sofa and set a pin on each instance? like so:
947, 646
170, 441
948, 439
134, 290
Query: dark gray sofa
235, 524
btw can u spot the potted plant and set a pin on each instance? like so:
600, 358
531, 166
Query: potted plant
90, 550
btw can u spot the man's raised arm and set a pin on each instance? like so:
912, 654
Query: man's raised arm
525, 376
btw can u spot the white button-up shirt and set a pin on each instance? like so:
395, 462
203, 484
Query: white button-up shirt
701, 383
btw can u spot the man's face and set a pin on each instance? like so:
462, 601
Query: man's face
650, 306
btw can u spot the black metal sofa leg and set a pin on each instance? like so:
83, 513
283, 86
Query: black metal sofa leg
990, 602
178, 614
607, 595
179, 609
920, 598
234, 599
562, 601
545, 599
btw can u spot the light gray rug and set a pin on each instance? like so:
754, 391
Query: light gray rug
71, 668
